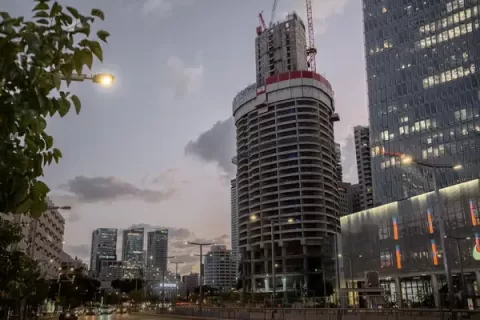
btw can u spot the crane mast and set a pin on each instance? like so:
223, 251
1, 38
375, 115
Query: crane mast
311, 50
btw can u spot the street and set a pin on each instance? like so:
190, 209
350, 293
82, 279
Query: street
134, 316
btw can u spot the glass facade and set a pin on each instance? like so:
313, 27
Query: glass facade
400, 240
423, 60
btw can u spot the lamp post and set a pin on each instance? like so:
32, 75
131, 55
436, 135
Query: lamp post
272, 221
407, 160
460, 259
200, 245
103, 79
176, 275
350, 265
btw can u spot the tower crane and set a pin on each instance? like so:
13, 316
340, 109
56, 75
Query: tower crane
311, 50
263, 26
274, 9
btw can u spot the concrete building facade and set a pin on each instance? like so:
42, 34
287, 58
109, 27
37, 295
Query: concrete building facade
345, 198
286, 171
338, 158
234, 222
220, 272
422, 61
104, 247
364, 166
190, 282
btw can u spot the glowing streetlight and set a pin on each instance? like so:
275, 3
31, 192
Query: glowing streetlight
103, 79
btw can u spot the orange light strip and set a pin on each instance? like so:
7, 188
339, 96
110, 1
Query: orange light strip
434, 252
472, 213
395, 229
399, 257
430, 221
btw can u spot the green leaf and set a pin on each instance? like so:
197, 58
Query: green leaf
57, 80
96, 49
43, 21
48, 140
102, 35
64, 107
56, 9
84, 29
39, 189
87, 58
74, 12
41, 14
37, 208
57, 154
23, 207
98, 13
41, 6
76, 103
78, 61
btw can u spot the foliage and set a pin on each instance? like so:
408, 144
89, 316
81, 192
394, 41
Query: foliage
137, 296
76, 288
20, 277
127, 285
35, 56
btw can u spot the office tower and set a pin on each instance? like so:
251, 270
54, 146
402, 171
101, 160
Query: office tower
338, 159
157, 253
286, 171
104, 247
190, 281
132, 247
422, 63
234, 222
281, 49
364, 167
220, 272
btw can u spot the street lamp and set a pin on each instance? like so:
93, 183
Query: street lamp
273, 220
200, 245
350, 264
176, 275
459, 255
103, 79
407, 160
60, 208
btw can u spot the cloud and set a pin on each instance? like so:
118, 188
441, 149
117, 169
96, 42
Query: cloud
322, 11
82, 251
185, 79
108, 189
216, 145
349, 159
163, 8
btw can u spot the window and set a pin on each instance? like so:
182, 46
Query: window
386, 258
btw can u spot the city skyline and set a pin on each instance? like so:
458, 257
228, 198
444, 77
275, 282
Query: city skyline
187, 193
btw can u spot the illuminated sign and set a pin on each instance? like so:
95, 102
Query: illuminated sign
473, 215
430, 221
434, 252
476, 249
395, 228
398, 256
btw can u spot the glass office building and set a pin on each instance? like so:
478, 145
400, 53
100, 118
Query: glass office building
400, 240
423, 61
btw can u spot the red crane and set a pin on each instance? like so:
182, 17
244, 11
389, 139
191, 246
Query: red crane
311, 50
263, 26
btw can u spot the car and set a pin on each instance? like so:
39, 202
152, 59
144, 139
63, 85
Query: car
90, 312
68, 315
122, 310
106, 310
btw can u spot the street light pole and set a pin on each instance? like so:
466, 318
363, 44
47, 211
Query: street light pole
201, 273
176, 275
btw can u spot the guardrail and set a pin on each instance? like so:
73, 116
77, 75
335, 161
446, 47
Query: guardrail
319, 314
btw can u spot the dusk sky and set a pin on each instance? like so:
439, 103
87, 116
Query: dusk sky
156, 148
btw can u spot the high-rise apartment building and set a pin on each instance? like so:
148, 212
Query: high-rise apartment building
338, 159
132, 248
286, 169
364, 167
157, 253
423, 60
220, 270
345, 198
104, 247
234, 221
281, 49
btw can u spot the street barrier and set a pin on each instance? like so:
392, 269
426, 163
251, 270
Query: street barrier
318, 314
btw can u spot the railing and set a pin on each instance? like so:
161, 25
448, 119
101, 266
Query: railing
319, 314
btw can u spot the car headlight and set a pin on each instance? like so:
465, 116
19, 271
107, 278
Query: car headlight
68, 314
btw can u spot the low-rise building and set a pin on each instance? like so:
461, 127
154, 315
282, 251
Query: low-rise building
401, 241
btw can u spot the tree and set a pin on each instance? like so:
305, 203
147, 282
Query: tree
74, 293
35, 56
127, 285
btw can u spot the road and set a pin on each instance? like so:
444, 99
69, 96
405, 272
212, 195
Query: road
134, 316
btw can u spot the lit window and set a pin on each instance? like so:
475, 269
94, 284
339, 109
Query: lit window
422, 29
472, 68
454, 74
469, 27
468, 13
449, 7
384, 10
425, 83
444, 22
462, 15
463, 29
456, 18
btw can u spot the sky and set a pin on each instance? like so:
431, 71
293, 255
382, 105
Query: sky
155, 149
